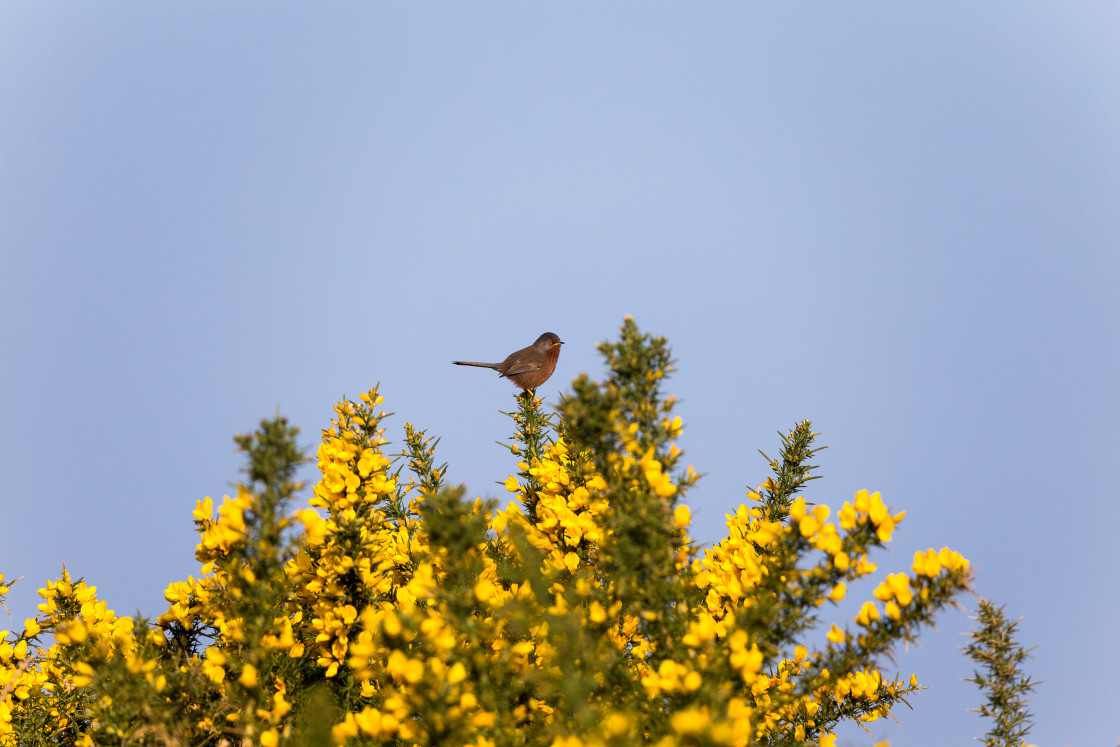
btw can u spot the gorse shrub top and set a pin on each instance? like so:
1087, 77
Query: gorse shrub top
389, 610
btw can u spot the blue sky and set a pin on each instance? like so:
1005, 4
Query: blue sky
899, 222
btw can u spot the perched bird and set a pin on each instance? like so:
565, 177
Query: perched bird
529, 367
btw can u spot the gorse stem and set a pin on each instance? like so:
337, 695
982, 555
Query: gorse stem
996, 651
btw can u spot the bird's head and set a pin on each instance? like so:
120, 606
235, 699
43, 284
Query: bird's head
548, 342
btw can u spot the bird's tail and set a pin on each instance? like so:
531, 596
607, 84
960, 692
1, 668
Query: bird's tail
476, 363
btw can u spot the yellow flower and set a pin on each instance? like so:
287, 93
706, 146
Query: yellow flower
402, 667
876, 509
690, 721
456, 673
809, 526
483, 590
204, 509
932, 561
692, 681
571, 561
212, 665
661, 483
85, 674
280, 706
954, 561
596, 612
369, 721
868, 614
899, 585
371, 461
248, 676
314, 525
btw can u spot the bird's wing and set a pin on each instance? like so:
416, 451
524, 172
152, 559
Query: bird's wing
518, 367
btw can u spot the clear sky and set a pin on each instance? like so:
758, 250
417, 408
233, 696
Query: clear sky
901, 221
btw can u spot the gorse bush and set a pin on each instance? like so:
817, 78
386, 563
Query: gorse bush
390, 610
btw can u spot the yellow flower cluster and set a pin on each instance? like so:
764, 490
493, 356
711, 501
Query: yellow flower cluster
732, 573
730, 570
567, 514
932, 562
898, 589
85, 631
218, 537
351, 474
661, 483
333, 577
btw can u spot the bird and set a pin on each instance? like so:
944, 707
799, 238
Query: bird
529, 367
